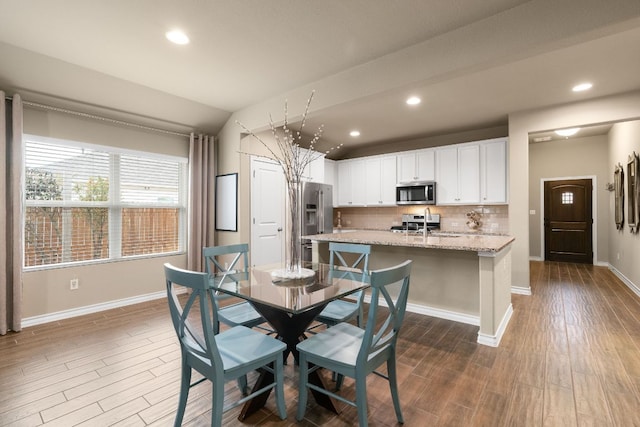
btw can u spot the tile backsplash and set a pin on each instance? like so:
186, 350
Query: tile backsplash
494, 218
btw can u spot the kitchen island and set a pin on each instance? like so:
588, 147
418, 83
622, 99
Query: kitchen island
461, 277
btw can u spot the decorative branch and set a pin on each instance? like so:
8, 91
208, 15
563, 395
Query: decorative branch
290, 154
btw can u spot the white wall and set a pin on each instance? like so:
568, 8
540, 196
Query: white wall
624, 247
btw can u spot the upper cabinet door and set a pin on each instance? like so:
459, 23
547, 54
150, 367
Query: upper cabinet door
380, 181
469, 174
350, 178
344, 183
357, 173
416, 166
388, 180
458, 174
426, 164
447, 175
493, 171
330, 177
371, 177
407, 167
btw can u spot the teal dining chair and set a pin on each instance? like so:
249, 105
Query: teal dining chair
354, 352
216, 262
342, 310
218, 357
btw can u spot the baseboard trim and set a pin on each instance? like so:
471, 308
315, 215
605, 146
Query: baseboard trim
89, 309
634, 288
536, 258
435, 312
520, 290
494, 340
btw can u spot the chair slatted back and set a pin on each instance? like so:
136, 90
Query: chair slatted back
195, 338
380, 339
215, 263
336, 251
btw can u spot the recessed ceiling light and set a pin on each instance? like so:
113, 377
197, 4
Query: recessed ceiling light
354, 133
567, 132
582, 87
542, 138
177, 37
414, 100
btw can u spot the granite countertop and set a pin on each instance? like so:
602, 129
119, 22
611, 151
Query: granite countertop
439, 240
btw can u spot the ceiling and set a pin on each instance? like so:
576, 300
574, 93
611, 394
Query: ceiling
472, 63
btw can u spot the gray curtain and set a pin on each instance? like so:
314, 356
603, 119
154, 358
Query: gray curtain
10, 214
202, 172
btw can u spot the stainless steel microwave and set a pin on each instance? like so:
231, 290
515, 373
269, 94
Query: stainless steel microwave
416, 193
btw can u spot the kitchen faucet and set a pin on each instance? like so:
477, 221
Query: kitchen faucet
427, 216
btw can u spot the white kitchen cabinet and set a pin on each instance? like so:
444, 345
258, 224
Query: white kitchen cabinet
416, 166
493, 171
351, 183
380, 181
330, 177
458, 174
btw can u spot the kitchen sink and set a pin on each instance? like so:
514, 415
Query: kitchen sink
446, 234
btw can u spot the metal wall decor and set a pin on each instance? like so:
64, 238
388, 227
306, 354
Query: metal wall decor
633, 194
618, 184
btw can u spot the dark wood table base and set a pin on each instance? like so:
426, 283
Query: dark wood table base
290, 330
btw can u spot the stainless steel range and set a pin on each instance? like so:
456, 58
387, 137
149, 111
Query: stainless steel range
415, 223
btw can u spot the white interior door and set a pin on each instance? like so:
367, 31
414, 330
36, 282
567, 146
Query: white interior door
267, 212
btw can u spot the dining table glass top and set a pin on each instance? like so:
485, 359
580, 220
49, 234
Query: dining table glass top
291, 295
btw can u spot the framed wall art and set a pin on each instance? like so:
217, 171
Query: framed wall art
227, 202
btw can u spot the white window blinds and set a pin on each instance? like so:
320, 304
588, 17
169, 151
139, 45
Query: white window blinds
89, 203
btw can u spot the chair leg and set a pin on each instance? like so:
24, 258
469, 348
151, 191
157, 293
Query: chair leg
185, 383
242, 385
302, 386
393, 386
282, 411
361, 399
217, 407
339, 378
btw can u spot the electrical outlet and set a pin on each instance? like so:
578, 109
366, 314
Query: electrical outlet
73, 284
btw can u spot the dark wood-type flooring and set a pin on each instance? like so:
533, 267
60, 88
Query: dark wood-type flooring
570, 357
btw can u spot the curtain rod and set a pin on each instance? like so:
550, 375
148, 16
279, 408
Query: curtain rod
100, 118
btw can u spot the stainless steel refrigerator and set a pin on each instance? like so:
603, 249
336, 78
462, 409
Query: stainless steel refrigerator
317, 213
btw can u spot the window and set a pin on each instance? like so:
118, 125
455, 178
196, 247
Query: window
89, 203
567, 198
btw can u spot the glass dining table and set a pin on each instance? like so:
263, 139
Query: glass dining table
289, 306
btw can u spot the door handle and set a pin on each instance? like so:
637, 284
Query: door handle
279, 228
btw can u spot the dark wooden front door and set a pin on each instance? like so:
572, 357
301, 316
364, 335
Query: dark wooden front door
568, 221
